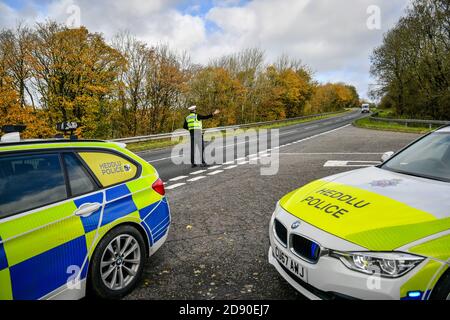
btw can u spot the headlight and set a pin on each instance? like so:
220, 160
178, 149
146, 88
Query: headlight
386, 264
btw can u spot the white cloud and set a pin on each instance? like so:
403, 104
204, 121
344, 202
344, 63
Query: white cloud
330, 36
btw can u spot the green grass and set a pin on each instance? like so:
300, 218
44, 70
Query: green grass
147, 145
367, 123
293, 122
164, 143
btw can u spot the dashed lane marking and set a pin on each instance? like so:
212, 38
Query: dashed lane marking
252, 157
196, 178
198, 172
175, 186
178, 178
215, 172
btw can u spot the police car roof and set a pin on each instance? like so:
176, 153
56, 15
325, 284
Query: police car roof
43, 141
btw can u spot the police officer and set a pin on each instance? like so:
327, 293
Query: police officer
193, 123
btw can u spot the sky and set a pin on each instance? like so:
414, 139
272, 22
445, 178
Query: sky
334, 38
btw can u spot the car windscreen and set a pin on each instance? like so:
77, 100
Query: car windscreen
428, 158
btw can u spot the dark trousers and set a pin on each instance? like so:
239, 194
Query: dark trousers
197, 146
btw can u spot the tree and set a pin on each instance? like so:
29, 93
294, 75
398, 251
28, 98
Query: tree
76, 72
131, 86
214, 88
331, 97
412, 65
166, 83
16, 47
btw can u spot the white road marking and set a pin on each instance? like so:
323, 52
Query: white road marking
345, 163
320, 134
215, 172
242, 162
198, 172
178, 178
151, 161
229, 162
329, 153
215, 167
196, 178
175, 186
311, 127
231, 167
232, 145
288, 132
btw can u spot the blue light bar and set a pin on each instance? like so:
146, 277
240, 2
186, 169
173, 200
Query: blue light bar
414, 294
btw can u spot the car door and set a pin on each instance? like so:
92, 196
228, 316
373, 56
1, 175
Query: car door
46, 204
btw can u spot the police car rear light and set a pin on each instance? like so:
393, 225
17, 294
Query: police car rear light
158, 186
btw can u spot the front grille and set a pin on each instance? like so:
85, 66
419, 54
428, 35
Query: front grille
281, 232
305, 248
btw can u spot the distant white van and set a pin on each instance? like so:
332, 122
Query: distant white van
365, 108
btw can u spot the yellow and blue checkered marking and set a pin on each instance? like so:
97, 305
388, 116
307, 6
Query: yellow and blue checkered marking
3, 260
37, 269
156, 219
40, 275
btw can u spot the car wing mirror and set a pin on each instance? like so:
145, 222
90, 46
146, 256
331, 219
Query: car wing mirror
386, 156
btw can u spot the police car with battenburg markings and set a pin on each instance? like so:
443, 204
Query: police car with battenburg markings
76, 216
375, 233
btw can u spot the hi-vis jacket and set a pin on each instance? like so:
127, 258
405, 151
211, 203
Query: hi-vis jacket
193, 122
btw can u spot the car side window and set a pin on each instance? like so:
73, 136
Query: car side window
30, 181
109, 168
79, 180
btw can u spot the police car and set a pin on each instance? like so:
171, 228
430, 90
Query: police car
76, 216
375, 233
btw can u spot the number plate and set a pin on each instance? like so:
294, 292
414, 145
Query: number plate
290, 264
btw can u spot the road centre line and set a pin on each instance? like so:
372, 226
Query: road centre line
311, 137
288, 132
320, 134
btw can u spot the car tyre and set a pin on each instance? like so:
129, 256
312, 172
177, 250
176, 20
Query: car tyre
442, 289
117, 263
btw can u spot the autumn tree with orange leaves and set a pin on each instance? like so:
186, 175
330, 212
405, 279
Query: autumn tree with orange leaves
51, 73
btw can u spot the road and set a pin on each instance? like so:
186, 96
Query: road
162, 159
218, 243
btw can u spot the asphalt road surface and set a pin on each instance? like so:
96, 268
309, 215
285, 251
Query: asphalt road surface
218, 243
163, 159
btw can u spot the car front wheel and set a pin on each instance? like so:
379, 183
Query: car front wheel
117, 263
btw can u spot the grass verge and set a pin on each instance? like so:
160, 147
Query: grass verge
157, 144
367, 123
